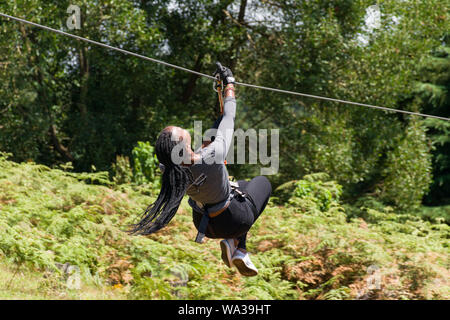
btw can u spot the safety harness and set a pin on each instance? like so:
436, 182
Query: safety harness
235, 192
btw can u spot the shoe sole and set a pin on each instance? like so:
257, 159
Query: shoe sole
226, 253
243, 269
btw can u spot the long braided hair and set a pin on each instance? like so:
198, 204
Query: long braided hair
175, 180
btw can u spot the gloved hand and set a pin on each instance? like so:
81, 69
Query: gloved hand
225, 74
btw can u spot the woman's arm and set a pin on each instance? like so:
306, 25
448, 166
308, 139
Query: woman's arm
208, 140
216, 152
218, 121
224, 136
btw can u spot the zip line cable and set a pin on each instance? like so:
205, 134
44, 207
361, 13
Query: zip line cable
105, 45
211, 77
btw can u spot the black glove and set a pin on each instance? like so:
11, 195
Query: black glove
225, 74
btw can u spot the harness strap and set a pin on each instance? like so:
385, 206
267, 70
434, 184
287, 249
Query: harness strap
205, 217
205, 220
202, 227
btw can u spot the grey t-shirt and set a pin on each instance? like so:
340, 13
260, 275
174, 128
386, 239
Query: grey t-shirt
211, 185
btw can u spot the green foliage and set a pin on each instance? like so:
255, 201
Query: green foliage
61, 101
342, 293
283, 192
432, 93
87, 96
435, 214
312, 187
122, 172
305, 250
145, 164
408, 170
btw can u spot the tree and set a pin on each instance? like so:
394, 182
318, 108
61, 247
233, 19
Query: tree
63, 100
433, 93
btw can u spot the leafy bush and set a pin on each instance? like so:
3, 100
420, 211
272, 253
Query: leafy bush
122, 172
408, 170
313, 187
284, 192
145, 164
434, 214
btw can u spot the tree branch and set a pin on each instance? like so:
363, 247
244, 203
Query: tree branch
62, 150
84, 75
244, 24
6, 109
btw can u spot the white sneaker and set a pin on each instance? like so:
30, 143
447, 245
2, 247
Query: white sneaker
228, 249
244, 264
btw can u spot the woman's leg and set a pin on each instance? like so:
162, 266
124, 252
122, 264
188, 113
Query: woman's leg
242, 242
243, 184
259, 189
242, 212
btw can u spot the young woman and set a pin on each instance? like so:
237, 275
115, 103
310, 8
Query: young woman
221, 210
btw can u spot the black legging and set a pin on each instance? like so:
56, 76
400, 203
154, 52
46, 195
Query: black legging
240, 215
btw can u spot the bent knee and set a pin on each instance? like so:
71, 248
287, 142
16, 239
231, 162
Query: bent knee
264, 183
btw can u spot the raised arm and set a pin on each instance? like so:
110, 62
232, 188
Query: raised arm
224, 135
226, 126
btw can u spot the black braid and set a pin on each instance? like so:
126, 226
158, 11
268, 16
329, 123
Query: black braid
175, 181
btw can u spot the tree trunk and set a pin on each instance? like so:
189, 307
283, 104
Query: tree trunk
84, 75
242, 8
62, 150
189, 89
238, 42
43, 98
